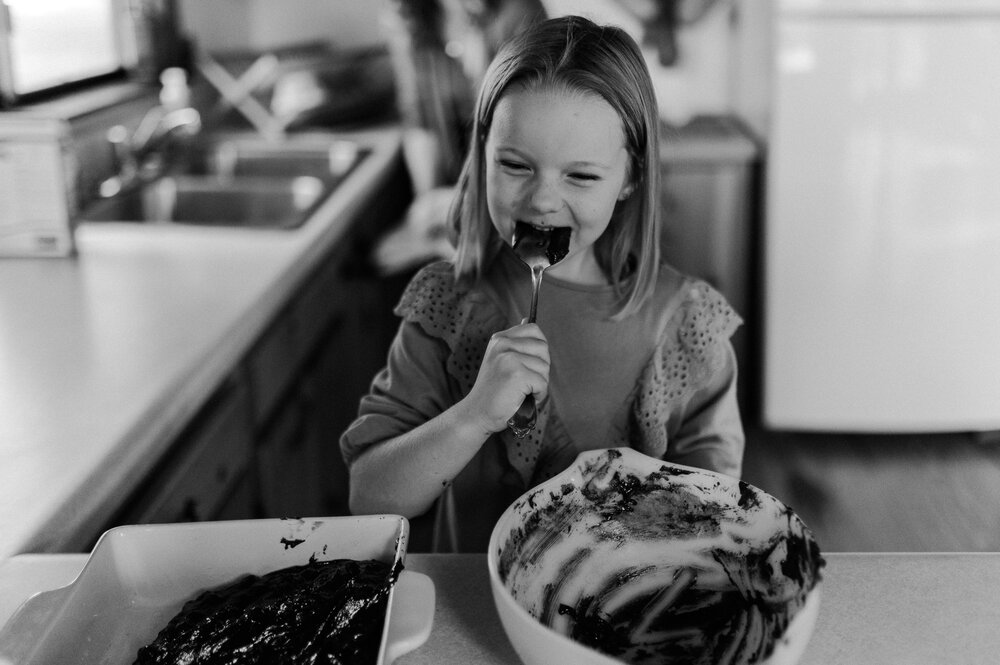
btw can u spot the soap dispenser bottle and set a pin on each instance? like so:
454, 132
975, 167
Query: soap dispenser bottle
174, 91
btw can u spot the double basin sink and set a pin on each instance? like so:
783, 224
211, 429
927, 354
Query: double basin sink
237, 181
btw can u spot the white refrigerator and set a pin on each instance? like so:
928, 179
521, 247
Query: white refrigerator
881, 232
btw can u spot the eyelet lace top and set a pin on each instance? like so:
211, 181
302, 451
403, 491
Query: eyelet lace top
692, 346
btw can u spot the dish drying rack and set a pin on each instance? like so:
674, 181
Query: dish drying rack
237, 82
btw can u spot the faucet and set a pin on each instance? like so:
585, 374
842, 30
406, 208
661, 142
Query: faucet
140, 157
159, 126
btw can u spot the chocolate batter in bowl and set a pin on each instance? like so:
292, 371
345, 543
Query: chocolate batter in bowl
624, 558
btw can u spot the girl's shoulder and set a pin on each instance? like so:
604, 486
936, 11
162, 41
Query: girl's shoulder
436, 275
442, 304
692, 308
433, 288
692, 351
454, 312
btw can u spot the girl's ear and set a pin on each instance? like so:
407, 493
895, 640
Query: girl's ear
626, 191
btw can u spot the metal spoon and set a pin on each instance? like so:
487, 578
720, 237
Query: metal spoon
538, 249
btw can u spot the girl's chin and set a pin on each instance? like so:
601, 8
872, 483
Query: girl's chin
579, 267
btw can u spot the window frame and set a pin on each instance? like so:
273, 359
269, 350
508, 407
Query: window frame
125, 45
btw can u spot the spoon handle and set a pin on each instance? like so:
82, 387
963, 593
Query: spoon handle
523, 420
536, 283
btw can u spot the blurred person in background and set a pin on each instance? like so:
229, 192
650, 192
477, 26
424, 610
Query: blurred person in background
440, 50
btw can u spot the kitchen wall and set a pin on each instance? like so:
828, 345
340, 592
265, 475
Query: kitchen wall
257, 25
723, 65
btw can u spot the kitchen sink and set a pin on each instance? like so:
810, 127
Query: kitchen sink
251, 202
330, 161
243, 181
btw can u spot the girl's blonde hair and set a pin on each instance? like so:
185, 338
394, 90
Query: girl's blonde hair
578, 55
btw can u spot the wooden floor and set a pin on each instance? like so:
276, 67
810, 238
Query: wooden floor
884, 493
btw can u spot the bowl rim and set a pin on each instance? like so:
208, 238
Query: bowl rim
786, 651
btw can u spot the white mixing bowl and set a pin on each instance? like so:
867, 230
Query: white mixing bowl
625, 558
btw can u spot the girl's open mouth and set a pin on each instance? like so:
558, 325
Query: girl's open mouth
540, 228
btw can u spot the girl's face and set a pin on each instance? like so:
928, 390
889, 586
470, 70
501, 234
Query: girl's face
556, 157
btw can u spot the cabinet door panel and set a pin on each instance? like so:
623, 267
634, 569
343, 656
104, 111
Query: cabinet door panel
242, 502
210, 464
276, 360
287, 470
271, 366
318, 307
334, 404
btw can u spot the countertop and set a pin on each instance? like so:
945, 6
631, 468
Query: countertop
105, 355
876, 608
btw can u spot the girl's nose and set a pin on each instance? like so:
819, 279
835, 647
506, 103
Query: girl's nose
544, 196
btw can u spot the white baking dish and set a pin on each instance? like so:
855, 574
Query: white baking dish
138, 577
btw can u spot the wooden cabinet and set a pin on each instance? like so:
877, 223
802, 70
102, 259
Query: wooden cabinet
708, 200
208, 475
290, 461
331, 389
709, 171
310, 370
277, 359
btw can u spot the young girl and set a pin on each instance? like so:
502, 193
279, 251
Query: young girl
625, 351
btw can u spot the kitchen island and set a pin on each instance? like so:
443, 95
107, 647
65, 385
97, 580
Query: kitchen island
107, 356
876, 608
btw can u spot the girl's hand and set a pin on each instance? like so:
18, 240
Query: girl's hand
516, 364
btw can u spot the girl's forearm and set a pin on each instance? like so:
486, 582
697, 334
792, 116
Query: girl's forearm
405, 475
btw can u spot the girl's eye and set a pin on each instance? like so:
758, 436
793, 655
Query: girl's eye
512, 165
585, 177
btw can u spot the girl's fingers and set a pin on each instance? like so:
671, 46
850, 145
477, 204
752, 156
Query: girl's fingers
523, 330
527, 338
516, 364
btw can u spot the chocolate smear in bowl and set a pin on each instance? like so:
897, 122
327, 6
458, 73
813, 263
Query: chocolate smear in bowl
669, 566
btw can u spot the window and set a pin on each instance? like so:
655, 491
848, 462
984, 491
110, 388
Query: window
49, 44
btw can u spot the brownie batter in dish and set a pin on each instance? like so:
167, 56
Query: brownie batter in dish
329, 612
671, 567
